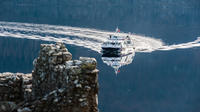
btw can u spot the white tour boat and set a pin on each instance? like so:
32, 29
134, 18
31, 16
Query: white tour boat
120, 45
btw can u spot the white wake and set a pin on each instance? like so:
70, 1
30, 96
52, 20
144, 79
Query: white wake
85, 37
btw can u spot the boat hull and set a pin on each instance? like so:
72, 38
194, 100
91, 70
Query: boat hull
117, 51
111, 51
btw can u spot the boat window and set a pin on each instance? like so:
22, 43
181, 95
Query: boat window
113, 43
115, 36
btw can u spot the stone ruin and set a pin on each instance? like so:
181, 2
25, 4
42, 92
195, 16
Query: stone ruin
57, 84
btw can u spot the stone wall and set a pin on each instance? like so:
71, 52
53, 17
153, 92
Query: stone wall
48, 72
14, 87
57, 84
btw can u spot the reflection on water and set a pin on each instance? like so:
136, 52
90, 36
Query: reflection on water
117, 61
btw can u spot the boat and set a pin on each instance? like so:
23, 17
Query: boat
118, 45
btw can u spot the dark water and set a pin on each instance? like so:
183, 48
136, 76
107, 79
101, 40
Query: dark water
161, 81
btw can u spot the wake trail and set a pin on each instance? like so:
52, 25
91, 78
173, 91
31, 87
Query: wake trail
85, 37
88, 44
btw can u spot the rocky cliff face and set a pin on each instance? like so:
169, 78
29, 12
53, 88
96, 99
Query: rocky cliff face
57, 84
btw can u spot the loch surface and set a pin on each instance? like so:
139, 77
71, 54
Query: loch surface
158, 81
